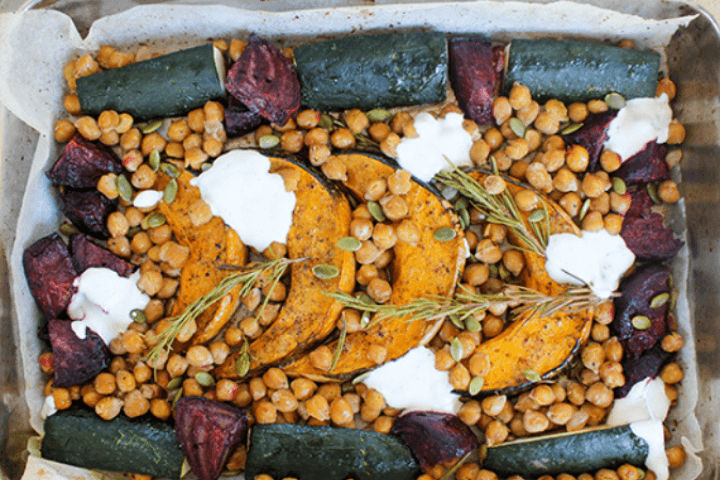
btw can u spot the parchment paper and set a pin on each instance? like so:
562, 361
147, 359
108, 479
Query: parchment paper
36, 45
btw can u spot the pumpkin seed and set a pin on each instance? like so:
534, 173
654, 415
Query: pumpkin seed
641, 322
444, 234
185, 468
205, 379
465, 218
152, 221
472, 325
572, 128
268, 141
493, 165
242, 365
132, 231
455, 319
653, 193
456, 349
537, 215
671, 282
170, 192
174, 383
517, 127
641, 474
177, 396
124, 188
366, 299
503, 272
619, 185
365, 319
584, 209
138, 316
360, 378
461, 204
493, 270
659, 300
376, 211
615, 100
326, 121
531, 375
325, 271
378, 115
154, 160
673, 300
68, 229
476, 385
149, 127
349, 244
205, 167
170, 170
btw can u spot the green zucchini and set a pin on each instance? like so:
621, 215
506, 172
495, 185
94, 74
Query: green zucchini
309, 453
164, 86
370, 71
578, 71
568, 452
77, 436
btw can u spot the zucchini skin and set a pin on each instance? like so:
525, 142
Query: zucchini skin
146, 445
574, 453
370, 71
578, 71
310, 453
165, 86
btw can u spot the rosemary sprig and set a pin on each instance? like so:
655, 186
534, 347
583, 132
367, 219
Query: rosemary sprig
340, 346
248, 276
527, 301
500, 209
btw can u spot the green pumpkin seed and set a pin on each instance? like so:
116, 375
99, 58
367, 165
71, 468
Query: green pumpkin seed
349, 244
138, 316
493, 165
326, 122
325, 271
205, 379
659, 300
537, 215
653, 193
174, 383
493, 270
465, 218
132, 231
641, 474
456, 349
124, 188
461, 204
185, 468
455, 319
641, 322
365, 319
517, 127
242, 365
476, 385
152, 221
619, 186
503, 272
177, 396
149, 127
68, 229
444, 234
376, 211
170, 192
170, 170
584, 209
366, 299
531, 375
615, 100
154, 160
472, 325
572, 128
268, 141
378, 115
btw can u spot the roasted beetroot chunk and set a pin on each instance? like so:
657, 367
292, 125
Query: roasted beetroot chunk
82, 163
50, 274
208, 431
636, 294
592, 136
434, 437
88, 210
239, 120
648, 165
76, 361
265, 81
644, 232
474, 77
86, 254
639, 367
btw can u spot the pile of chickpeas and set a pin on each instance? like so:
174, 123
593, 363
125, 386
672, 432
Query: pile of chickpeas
135, 385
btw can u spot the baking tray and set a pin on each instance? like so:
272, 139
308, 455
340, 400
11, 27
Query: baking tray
693, 58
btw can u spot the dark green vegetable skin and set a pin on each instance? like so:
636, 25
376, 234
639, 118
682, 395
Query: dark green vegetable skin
371, 71
311, 453
77, 436
164, 86
578, 72
574, 453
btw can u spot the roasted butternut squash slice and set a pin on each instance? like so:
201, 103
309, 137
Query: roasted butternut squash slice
429, 268
544, 345
321, 217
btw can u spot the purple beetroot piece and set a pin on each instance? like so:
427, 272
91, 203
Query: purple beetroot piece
208, 431
86, 254
50, 274
88, 210
265, 81
592, 136
645, 233
474, 76
434, 437
82, 163
638, 367
648, 165
239, 120
76, 361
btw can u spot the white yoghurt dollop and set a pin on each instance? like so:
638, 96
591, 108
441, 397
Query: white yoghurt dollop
103, 302
147, 198
640, 121
439, 141
413, 383
597, 259
252, 201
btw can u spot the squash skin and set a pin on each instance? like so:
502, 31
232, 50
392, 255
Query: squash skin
322, 216
545, 345
430, 268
